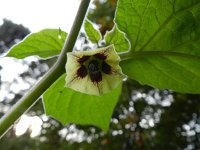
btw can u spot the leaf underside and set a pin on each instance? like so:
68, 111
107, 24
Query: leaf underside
166, 70
158, 26
69, 106
45, 44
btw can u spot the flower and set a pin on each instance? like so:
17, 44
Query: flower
94, 72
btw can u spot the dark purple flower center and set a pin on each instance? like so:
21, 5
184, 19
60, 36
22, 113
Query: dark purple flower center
106, 68
94, 71
100, 56
94, 66
83, 59
96, 77
82, 72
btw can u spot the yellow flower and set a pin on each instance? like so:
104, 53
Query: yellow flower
94, 72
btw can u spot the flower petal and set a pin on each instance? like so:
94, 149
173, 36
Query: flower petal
86, 79
110, 82
91, 52
83, 85
112, 56
72, 63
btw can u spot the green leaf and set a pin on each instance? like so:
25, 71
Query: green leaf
164, 37
171, 70
45, 43
117, 38
161, 25
69, 106
93, 35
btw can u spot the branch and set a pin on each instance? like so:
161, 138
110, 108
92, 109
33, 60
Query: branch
49, 78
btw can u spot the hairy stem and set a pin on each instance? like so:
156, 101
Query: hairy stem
49, 78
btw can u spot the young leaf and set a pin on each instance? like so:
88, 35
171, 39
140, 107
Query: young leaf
69, 106
117, 38
167, 33
93, 35
45, 43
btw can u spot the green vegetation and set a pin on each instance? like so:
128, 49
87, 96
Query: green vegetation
158, 43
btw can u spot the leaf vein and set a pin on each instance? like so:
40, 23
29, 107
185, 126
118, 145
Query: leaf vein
165, 23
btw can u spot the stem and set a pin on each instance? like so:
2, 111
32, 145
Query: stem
125, 55
49, 78
148, 54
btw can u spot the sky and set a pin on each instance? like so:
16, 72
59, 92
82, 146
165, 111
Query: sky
40, 14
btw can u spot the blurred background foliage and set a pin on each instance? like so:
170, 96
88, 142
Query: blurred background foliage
144, 118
